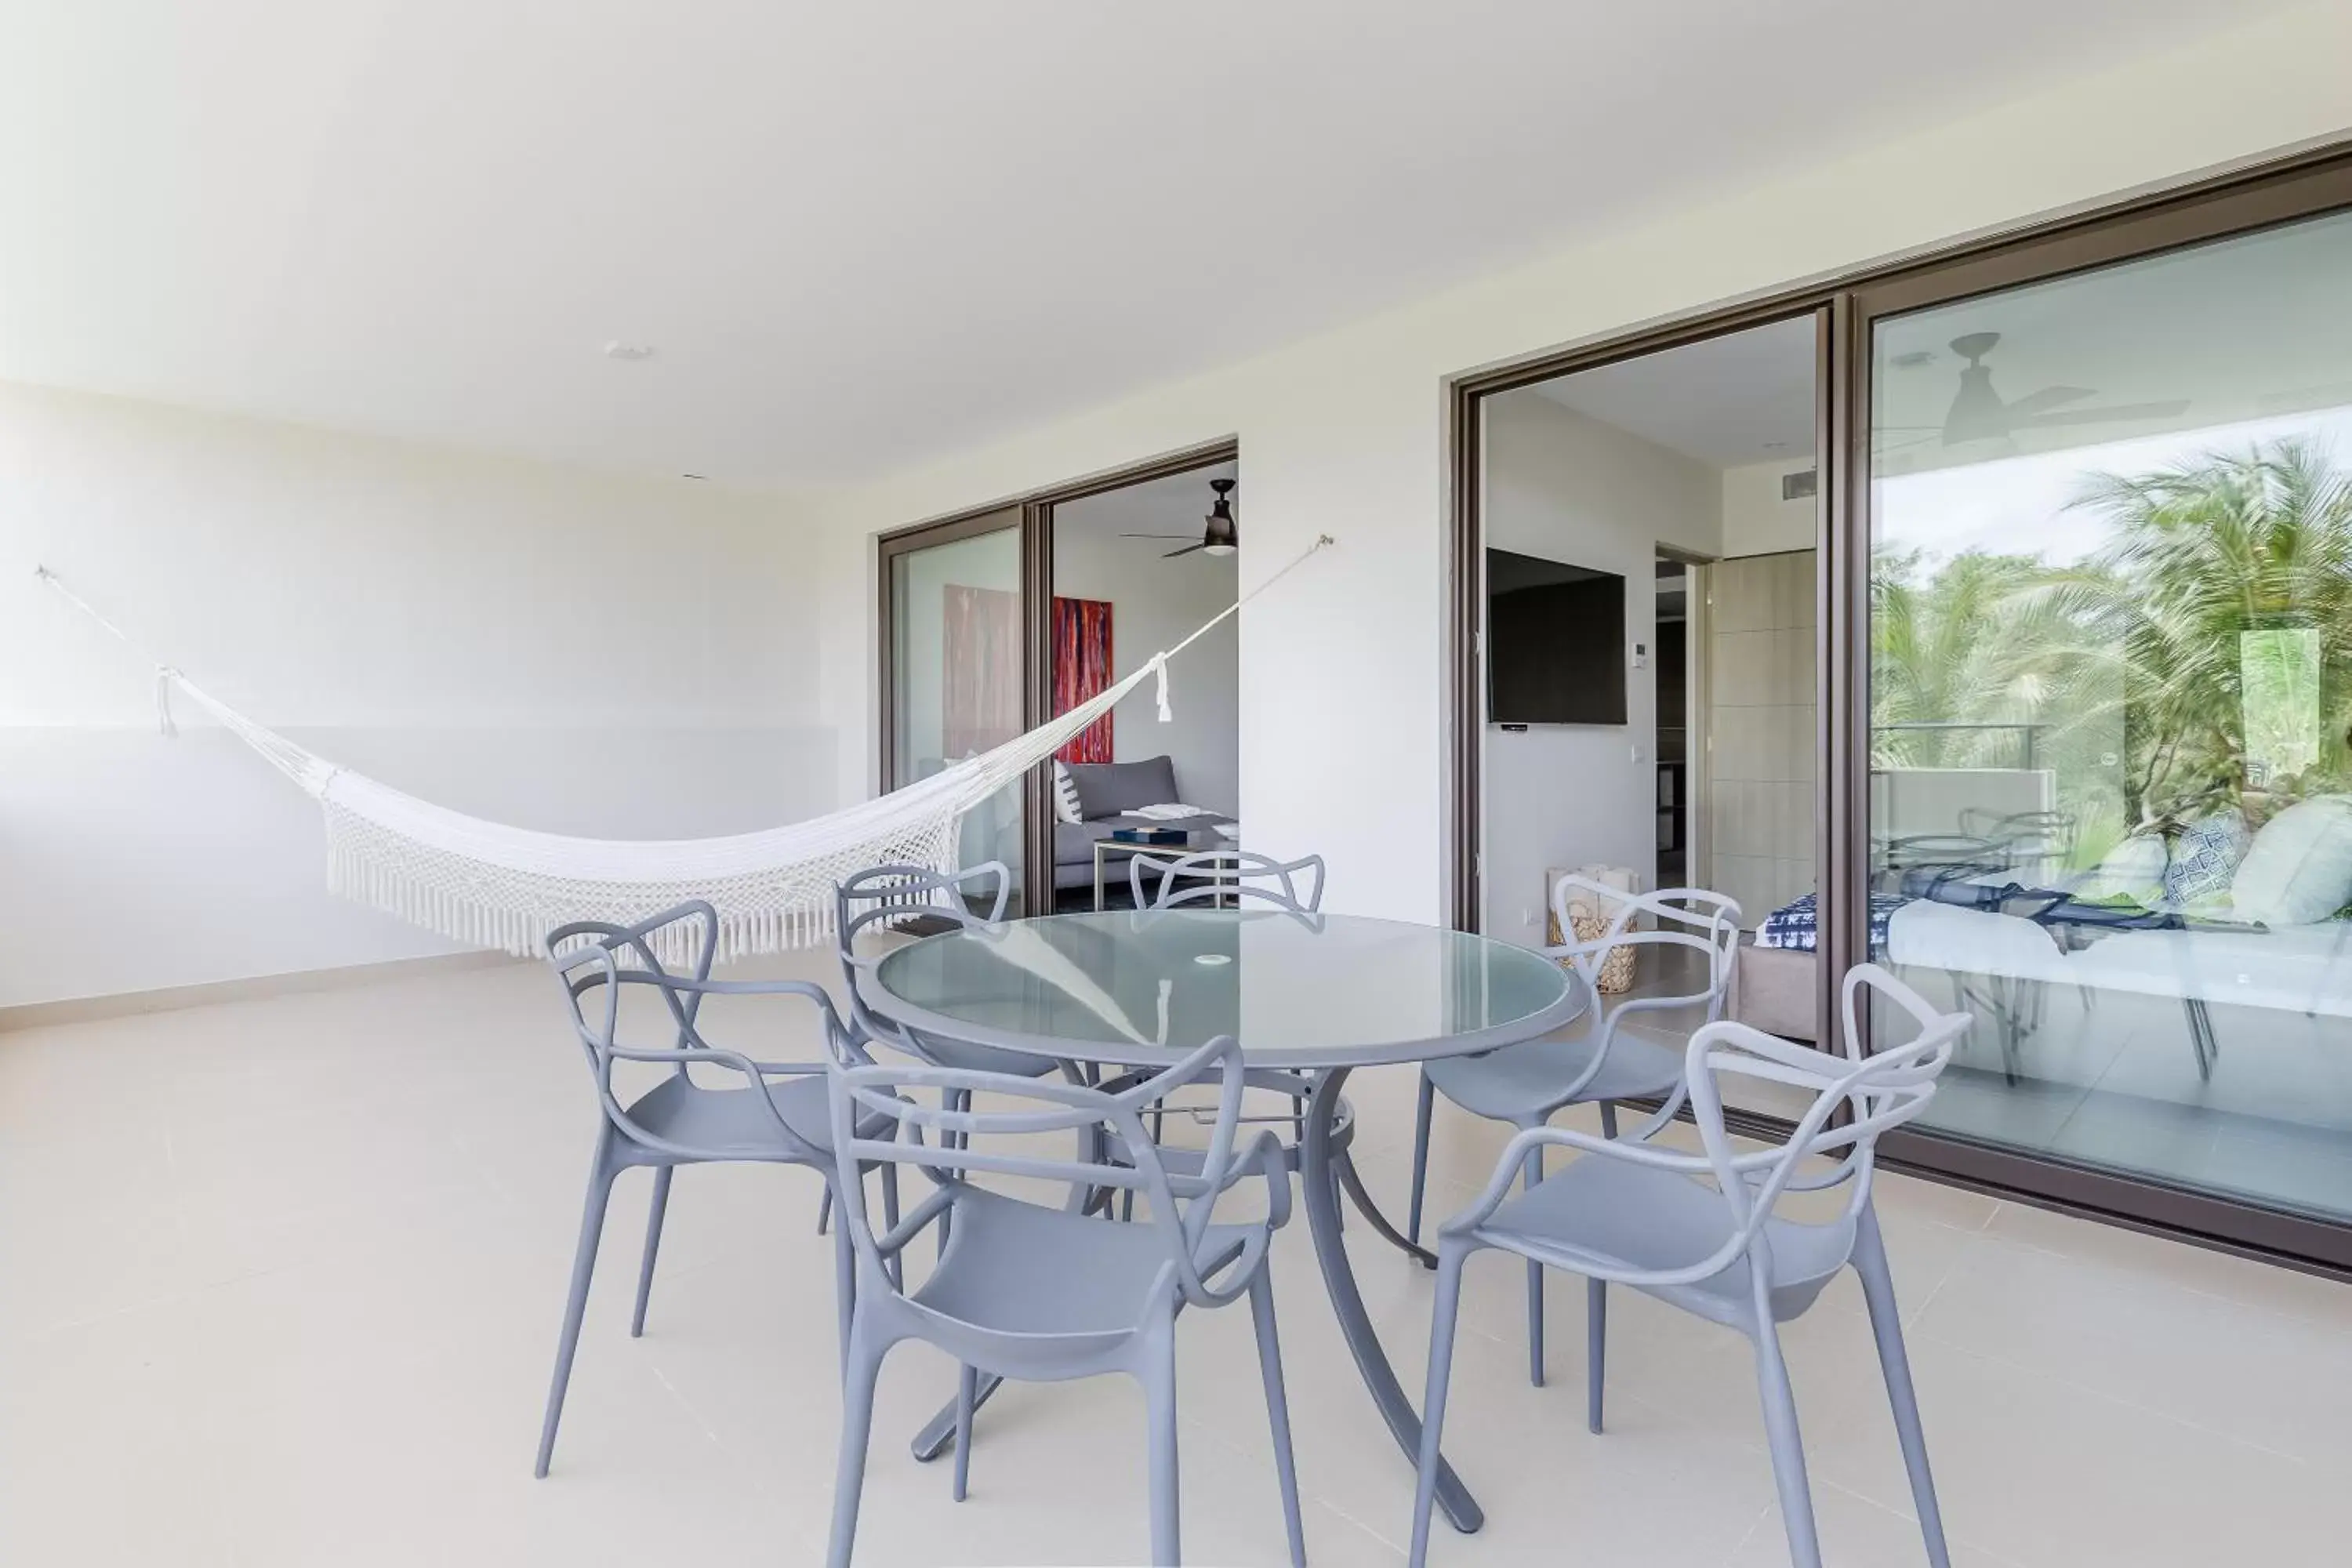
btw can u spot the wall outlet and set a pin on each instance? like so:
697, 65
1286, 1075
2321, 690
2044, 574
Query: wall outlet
1527, 917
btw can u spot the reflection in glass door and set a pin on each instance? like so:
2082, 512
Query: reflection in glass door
2110, 710
956, 668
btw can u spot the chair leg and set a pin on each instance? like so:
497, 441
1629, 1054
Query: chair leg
896, 1264
1788, 1446
1450, 1259
953, 1100
601, 1171
825, 1211
1277, 1410
1532, 1173
1421, 1115
844, 1286
1159, 1415
1596, 1349
1887, 1328
967, 1395
1608, 1119
865, 1366
653, 1247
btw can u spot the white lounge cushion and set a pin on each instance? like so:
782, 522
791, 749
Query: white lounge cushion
2298, 870
1973, 942
2295, 969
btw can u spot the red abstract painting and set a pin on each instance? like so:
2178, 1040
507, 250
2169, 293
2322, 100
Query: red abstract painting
1082, 669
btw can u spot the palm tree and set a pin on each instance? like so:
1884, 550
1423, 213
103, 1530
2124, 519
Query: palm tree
2135, 661
2201, 555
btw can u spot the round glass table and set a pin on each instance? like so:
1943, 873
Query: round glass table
1316, 994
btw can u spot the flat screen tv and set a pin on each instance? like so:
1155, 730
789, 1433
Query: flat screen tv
1555, 642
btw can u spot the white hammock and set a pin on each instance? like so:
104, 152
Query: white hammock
500, 886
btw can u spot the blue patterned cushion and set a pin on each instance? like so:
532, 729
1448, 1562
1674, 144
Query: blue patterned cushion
2204, 858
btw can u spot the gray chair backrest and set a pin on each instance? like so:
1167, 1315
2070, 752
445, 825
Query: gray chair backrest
1237, 873
1877, 1093
1181, 1204
1690, 918
881, 896
595, 962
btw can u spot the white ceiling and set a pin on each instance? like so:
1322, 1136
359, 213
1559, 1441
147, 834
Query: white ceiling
1744, 397
859, 235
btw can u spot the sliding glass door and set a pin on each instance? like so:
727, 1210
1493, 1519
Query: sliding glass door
955, 666
2109, 711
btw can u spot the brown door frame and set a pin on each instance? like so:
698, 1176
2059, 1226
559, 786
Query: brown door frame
1035, 521
2147, 230
2279, 191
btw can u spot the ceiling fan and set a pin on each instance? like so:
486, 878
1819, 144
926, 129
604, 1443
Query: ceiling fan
1219, 538
1978, 414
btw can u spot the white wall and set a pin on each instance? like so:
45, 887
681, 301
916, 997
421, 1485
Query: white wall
1343, 715
569, 651
1155, 605
1567, 487
1755, 520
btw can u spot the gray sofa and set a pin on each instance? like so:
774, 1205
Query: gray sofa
1109, 793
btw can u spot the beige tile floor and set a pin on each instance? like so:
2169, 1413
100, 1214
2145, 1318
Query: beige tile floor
279, 1282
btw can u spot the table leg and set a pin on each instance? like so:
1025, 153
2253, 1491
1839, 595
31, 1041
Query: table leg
937, 1434
1354, 1184
1320, 1175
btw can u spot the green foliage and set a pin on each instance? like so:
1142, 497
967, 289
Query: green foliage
2134, 664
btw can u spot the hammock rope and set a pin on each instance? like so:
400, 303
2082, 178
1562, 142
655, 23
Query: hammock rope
497, 886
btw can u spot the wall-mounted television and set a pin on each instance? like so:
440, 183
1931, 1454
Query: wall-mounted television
1555, 642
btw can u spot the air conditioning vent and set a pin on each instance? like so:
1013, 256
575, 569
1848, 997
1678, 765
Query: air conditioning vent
1804, 486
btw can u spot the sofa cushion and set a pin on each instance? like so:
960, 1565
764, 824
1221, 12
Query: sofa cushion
2299, 869
2204, 858
1106, 789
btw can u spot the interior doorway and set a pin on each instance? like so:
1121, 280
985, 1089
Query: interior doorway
982, 636
1648, 562
1136, 569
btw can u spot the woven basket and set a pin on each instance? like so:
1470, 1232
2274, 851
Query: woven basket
1617, 969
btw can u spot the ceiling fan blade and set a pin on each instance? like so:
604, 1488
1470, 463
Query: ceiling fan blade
1155, 536
1186, 550
2113, 412
2049, 397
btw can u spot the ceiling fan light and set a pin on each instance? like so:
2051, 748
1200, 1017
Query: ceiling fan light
1216, 550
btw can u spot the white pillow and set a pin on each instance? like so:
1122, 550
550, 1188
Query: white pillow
1066, 795
2298, 870
2133, 869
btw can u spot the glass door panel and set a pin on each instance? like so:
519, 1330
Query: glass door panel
2110, 795
957, 670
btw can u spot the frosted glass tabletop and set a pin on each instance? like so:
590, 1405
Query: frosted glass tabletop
1298, 991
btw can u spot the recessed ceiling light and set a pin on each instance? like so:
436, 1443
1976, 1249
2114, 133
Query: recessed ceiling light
616, 348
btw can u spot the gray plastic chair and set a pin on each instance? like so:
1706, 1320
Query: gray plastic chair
1217, 874
882, 896
1525, 1084
1699, 1231
1244, 875
679, 1121
1041, 1294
